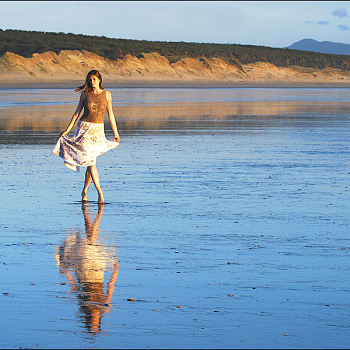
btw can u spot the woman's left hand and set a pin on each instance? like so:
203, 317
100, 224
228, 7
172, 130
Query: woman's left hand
116, 137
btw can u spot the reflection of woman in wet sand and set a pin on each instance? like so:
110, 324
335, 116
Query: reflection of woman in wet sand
84, 262
89, 140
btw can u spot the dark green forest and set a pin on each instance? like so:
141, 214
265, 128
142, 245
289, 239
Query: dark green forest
25, 43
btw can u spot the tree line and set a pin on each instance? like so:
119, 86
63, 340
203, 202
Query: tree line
25, 43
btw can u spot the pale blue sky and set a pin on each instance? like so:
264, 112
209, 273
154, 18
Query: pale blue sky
275, 24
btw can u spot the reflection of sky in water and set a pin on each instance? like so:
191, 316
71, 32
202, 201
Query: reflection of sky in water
36, 97
244, 227
227, 95
125, 96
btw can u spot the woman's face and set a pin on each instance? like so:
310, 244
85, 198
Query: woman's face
94, 81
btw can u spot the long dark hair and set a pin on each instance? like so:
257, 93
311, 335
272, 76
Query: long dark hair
87, 86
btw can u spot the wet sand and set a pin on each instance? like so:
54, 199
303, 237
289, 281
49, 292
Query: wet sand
135, 84
226, 235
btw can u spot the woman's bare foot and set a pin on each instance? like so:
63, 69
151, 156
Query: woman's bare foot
101, 199
84, 196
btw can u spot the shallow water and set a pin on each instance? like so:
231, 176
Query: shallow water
227, 224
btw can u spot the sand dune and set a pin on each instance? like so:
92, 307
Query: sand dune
72, 66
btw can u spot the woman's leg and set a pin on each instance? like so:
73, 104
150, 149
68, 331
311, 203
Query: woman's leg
86, 184
96, 180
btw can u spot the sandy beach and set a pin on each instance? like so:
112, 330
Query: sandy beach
226, 225
124, 84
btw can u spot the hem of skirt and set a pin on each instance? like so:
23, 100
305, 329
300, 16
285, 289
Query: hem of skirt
72, 166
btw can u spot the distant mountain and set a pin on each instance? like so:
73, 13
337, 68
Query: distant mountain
323, 47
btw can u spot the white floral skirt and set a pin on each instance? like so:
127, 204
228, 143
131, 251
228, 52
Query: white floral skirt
89, 141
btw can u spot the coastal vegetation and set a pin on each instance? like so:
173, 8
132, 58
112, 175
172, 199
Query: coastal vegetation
26, 43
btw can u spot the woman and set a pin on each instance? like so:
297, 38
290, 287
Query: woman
89, 140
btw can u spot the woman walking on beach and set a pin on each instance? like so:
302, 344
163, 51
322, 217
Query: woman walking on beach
89, 140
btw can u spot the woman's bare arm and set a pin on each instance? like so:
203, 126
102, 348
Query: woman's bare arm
75, 116
111, 116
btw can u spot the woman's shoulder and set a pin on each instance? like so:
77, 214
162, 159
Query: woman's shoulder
83, 95
108, 94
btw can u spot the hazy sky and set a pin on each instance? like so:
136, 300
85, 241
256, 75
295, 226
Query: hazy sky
275, 24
